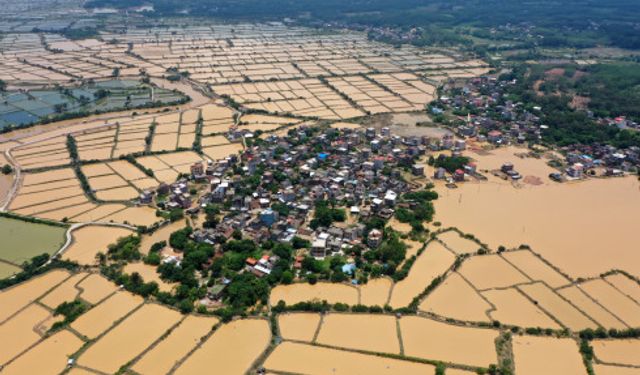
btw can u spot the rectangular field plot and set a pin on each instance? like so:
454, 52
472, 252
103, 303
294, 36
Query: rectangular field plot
298, 326
535, 268
290, 357
96, 288
252, 335
621, 305
455, 298
382, 333
106, 182
429, 339
491, 271
408, 86
590, 307
180, 341
546, 355
127, 170
48, 357
625, 285
104, 315
135, 216
22, 329
221, 152
512, 307
370, 96
434, 261
66, 291
123, 193
457, 243
306, 97
332, 293
19, 296
620, 352
559, 308
129, 338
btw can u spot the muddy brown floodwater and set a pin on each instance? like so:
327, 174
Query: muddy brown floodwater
570, 225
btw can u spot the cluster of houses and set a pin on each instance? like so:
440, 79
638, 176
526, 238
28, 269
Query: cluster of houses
516, 125
359, 170
584, 160
171, 196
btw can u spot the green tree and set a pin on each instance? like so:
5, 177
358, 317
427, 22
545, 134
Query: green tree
246, 290
6, 169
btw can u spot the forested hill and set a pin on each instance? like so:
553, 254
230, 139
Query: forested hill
576, 23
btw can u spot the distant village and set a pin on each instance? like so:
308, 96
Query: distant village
512, 123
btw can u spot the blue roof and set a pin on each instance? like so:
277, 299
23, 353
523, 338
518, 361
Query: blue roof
349, 268
322, 155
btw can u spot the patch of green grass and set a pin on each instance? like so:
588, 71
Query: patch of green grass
7, 270
22, 240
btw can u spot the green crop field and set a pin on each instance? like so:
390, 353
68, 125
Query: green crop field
7, 270
22, 240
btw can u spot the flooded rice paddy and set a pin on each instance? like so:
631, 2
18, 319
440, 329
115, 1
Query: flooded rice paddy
90, 240
298, 326
148, 274
375, 333
100, 318
303, 292
546, 355
434, 261
512, 307
185, 337
455, 298
298, 358
233, 348
554, 220
15, 298
425, 338
49, 357
621, 352
129, 338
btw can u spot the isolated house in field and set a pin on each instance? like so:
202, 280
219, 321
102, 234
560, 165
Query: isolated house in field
506, 167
